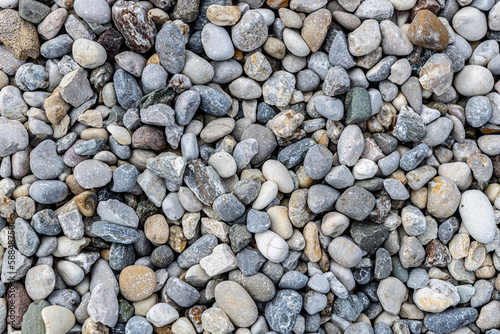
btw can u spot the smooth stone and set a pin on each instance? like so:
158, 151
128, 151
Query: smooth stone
477, 215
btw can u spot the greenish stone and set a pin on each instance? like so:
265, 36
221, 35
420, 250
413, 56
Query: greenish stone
32, 319
358, 106
116, 116
163, 95
126, 311
145, 209
398, 270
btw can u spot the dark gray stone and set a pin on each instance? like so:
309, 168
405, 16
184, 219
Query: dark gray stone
257, 221
114, 233
281, 313
128, 91
198, 250
171, 47
46, 222
450, 320
212, 102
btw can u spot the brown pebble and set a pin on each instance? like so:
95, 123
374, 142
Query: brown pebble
427, 31
91, 327
55, 107
86, 202
137, 282
156, 229
73, 185
18, 35
149, 138
18, 302
177, 240
315, 27
223, 15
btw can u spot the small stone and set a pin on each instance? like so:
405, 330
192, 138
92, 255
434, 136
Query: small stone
365, 39
135, 25
18, 35
477, 215
355, 203
436, 297
223, 15
88, 54
250, 32
344, 252
137, 282
92, 174
450, 320
278, 89
391, 293
242, 314
221, 260
427, 31
48, 191
282, 312
473, 80
318, 162
57, 319
350, 145
215, 320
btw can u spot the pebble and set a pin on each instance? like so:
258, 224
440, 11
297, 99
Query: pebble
286, 302
474, 204
250, 32
92, 174
57, 319
216, 42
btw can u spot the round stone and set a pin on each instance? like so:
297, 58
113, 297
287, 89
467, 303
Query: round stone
92, 174
137, 282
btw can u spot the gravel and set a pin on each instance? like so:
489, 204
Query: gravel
332, 166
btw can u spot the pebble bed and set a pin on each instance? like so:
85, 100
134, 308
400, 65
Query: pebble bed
252, 167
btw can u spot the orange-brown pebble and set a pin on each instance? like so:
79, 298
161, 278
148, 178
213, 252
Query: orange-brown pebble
427, 31
154, 59
86, 202
104, 254
73, 186
223, 15
55, 107
137, 282
156, 229
315, 28
275, 4
91, 327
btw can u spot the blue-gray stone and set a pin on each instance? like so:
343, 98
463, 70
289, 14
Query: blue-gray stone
48, 191
57, 47
185, 106
478, 111
411, 159
124, 178
114, 233
257, 221
450, 320
198, 250
182, 293
228, 207
171, 47
46, 222
142, 246
90, 147
33, 11
321, 198
45, 163
137, 325
381, 70
319, 283
27, 241
212, 102
281, 313
274, 271
121, 256
293, 280
265, 113
409, 126
65, 297
194, 43
349, 308
32, 77
293, 155
128, 92
162, 256
249, 261
356, 203
318, 162
339, 54
121, 151
239, 236
418, 278
447, 229
382, 328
